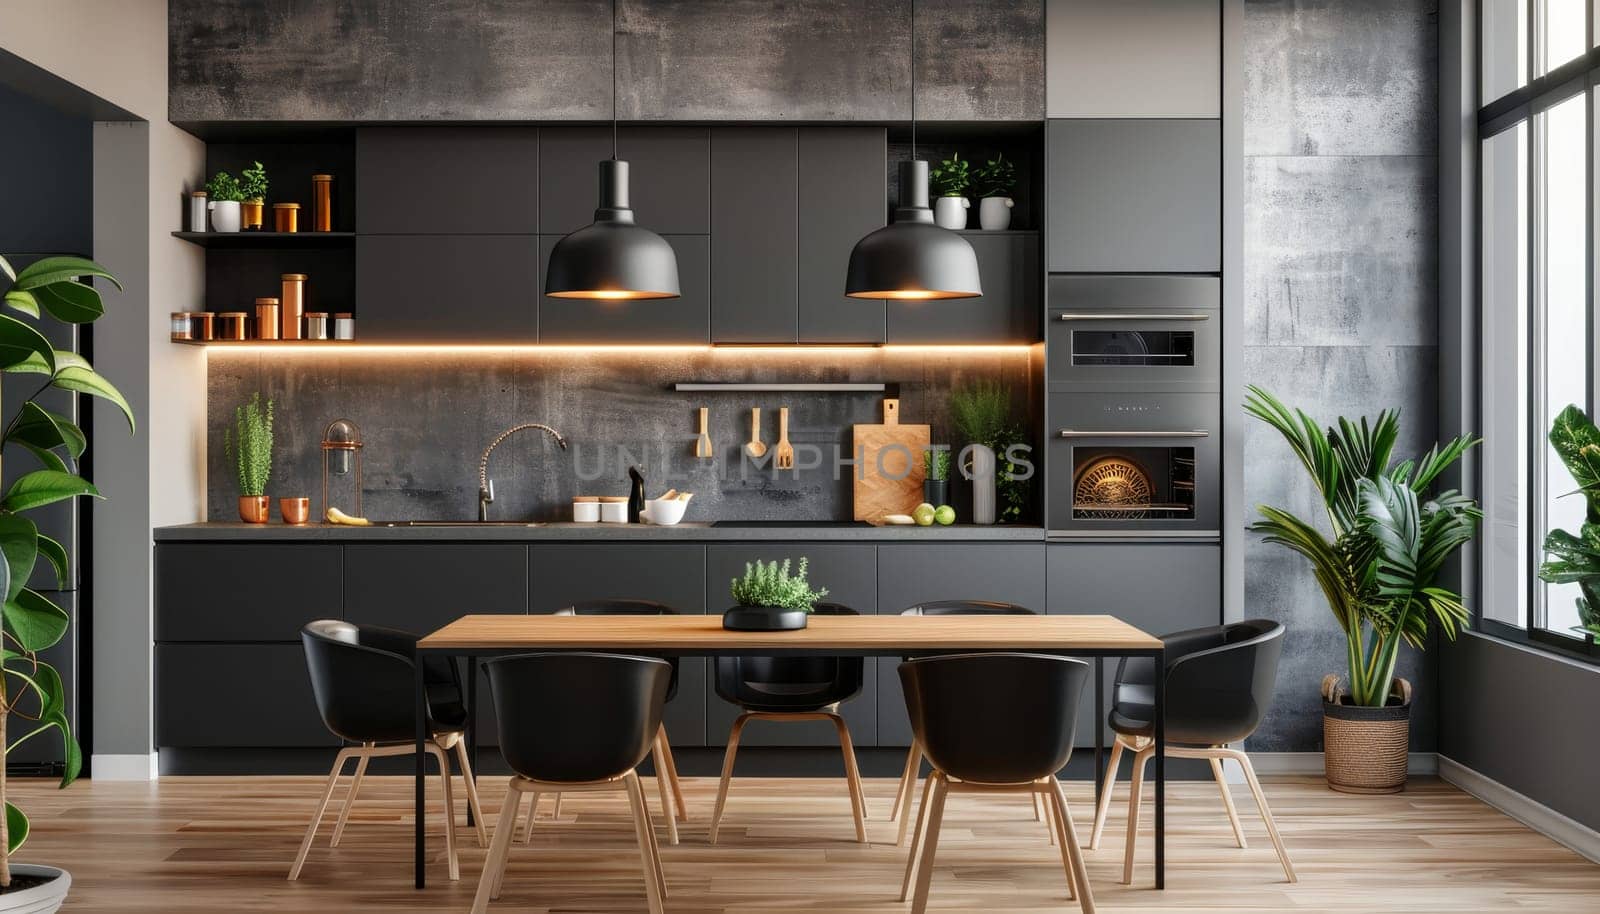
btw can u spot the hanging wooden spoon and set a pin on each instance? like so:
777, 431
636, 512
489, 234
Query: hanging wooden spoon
755, 447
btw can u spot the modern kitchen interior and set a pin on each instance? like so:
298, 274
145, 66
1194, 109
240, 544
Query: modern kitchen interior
833, 455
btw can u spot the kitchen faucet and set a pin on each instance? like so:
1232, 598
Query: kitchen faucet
485, 484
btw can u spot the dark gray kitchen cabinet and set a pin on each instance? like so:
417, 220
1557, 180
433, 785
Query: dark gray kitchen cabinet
235, 696
447, 180
669, 173
670, 573
447, 288
1134, 195
1158, 587
1008, 311
754, 235
912, 574
685, 319
238, 592
849, 572
842, 189
419, 587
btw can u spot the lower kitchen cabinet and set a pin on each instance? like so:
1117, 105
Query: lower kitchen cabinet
850, 575
420, 587
235, 696
912, 574
224, 592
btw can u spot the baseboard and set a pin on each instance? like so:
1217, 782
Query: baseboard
1524, 809
124, 767
1423, 763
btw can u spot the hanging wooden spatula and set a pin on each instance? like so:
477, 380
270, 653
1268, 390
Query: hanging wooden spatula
702, 445
756, 448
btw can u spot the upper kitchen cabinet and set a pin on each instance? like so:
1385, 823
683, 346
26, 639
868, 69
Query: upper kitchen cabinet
447, 288
1134, 58
682, 320
842, 186
1008, 311
669, 179
447, 180
1134, 196
755, 227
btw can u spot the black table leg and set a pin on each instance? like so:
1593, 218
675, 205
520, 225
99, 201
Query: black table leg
1161, 769
472, 723
1099, 727
420, 838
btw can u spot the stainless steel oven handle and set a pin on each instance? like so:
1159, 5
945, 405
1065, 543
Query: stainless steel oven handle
1115, 316
1092, 433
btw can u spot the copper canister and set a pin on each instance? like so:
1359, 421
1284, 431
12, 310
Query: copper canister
322, 203
231, 325
286, 217
202, 326
294, 304
266, 318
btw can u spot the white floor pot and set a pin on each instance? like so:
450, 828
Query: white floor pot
40, 899
951, 212
994, 213
225, 215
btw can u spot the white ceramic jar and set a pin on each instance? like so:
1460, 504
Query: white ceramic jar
224, 215
197, 211
994, 213
951, 212
613, 509
585, 509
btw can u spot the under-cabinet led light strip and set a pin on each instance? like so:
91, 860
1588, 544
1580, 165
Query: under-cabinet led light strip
359, 348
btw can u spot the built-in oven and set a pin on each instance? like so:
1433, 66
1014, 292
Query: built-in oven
1129, 462
1134, 332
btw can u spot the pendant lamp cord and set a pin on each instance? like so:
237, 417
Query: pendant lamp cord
913, 78
614, 80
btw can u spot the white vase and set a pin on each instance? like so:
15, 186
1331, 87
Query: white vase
994, 213
225, 215
41, 899
981, 470
951, 212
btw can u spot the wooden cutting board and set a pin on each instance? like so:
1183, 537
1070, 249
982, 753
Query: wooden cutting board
889, 471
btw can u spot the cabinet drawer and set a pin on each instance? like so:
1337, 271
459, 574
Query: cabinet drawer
244, 591
235, 695
422, 587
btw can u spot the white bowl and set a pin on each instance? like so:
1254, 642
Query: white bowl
663, 512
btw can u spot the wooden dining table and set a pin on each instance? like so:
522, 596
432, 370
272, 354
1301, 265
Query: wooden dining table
1094, 636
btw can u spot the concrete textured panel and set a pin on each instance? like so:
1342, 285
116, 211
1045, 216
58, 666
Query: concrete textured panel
1341, 251
389, 60
1327, 382
980, 60
1341, 77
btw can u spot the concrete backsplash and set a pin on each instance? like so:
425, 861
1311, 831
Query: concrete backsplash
426, 415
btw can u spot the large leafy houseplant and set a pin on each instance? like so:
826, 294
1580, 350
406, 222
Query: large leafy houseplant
1389, 535
30, 689
1575, 558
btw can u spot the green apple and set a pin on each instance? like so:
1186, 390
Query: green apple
923, 514
945, 515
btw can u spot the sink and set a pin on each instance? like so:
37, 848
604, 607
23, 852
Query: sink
457, 523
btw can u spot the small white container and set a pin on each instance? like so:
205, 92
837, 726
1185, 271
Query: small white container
951, 212
224, 215
994, 213
613, 509
663, 512
197, 211
585, 509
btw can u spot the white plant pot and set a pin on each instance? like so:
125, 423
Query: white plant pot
951, 212
41, 899
994, 213
224, 217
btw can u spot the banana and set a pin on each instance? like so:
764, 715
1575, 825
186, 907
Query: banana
335, 516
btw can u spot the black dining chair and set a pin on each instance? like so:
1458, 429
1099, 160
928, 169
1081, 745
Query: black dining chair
1219, 684
576, 722
673, 807
792, 689
363, 677
908, 777
988, 723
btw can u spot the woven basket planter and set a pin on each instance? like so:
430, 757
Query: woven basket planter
1365, 750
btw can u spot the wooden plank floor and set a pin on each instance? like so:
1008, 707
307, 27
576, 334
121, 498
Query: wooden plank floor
225, 844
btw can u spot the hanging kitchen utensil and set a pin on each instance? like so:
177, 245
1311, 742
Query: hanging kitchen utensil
702, 446
783, 459
755, 448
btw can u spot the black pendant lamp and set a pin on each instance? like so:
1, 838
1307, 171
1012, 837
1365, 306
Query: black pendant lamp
612, 259
913, 258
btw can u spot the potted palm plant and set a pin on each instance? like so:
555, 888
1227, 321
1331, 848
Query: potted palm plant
1389, 534
1575, 558
31, 691
769, 598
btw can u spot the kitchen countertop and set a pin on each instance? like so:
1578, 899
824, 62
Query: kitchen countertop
569, 532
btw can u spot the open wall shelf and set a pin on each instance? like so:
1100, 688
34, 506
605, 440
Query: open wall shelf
268, 241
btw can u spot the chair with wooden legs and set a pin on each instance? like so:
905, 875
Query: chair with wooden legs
994, 723
913, 768
574, 722
672, 805
792, 689
1219, 684
363, 680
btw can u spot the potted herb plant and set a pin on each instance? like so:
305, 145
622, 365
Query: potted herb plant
1575, 558
31, 691
248, 448
950, 181
1389, 534
253, 188
936, 476
224, 195
769, 598
994, 181
982, 416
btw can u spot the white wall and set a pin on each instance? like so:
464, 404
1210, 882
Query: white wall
118, 51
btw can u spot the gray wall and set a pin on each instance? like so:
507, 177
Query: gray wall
426, 416
550, 60
1340, 284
